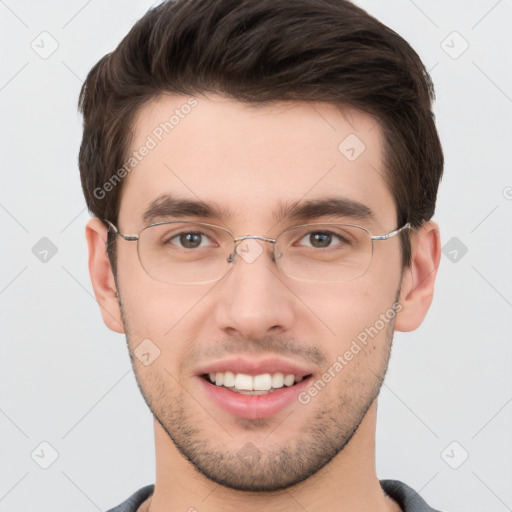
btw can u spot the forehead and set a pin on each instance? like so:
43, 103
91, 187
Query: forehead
253, 162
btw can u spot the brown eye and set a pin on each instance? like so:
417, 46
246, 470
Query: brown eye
190, 240
320, 239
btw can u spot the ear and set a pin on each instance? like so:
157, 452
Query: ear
418, 281
102, 277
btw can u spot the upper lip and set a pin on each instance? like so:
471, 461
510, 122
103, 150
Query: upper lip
255, 367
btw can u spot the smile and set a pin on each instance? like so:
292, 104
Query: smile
261, 384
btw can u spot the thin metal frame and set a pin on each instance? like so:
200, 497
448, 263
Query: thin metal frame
231, 257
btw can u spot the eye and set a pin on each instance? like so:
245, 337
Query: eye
322, 239
190, 240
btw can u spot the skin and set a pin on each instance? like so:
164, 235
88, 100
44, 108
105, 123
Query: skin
316, 457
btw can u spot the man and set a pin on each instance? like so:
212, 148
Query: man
262, 177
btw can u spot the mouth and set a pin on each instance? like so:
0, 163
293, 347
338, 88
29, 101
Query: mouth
254, 385
242, 398
254, 388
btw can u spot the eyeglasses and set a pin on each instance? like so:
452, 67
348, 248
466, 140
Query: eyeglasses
186, 252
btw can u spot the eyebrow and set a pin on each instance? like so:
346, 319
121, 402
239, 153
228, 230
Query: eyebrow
166, 206
169, 206
324, 207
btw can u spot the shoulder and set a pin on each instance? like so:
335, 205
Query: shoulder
408, 499
135, 500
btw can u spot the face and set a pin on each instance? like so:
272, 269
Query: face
251, 163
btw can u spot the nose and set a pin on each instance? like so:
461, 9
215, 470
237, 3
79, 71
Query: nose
254, 299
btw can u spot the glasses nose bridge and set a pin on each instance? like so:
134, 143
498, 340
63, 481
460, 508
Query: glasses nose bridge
254, 237
237, 240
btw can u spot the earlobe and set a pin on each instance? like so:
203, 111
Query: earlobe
102, 277
418, 281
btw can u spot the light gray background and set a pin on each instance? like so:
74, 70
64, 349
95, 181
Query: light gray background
67, 380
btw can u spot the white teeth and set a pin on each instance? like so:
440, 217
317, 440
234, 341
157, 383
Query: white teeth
289, 380
277, 380
262, 382
258, 383
229, 379
242, 381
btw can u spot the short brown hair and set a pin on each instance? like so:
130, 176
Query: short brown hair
258, 52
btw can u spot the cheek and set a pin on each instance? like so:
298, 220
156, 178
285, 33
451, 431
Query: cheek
156, 310
345, 309
358, 352
352, 320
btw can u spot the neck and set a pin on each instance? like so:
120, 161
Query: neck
348, 482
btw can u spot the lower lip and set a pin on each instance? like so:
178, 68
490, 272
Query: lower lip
253, 406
